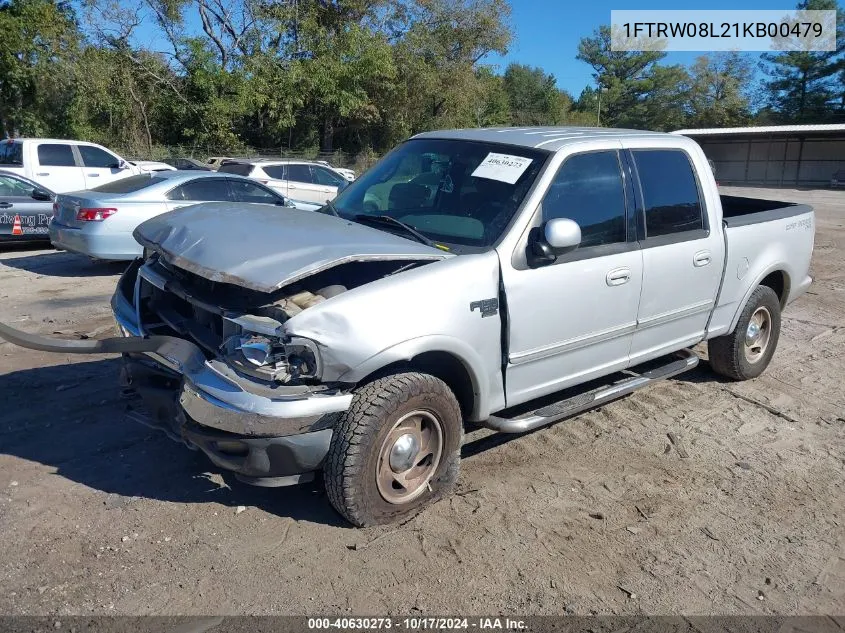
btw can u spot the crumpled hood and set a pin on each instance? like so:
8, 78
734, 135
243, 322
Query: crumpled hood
266, 247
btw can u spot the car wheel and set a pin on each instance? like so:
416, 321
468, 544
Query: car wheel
396, 450
747, 351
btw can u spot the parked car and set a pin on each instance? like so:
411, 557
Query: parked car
343, 171
25, 208
99, 222
62, 165
838, 179
214, 162
301, 180
147, 166
511, 295
187, 164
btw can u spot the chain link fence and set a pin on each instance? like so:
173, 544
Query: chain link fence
358, 162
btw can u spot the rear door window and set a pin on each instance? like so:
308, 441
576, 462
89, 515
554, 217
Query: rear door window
11, 154
670, 192
203, 190
300, 173
56, 155
276, 172
95, 157
245, 191
588, 188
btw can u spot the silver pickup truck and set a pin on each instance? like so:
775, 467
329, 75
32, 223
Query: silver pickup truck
507, 278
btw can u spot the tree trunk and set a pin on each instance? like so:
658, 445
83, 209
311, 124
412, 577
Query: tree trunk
327, 135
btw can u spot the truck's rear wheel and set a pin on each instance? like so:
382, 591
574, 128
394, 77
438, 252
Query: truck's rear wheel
395, 450
747, 351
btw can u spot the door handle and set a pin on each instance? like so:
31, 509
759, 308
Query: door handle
94, 175
702, 258
6, 205
618, 276
43, 173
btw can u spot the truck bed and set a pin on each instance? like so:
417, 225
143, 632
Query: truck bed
740, 211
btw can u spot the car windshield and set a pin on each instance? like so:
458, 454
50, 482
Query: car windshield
129, 184
456, 192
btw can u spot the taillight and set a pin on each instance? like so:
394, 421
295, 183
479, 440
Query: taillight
55, 208
94, 215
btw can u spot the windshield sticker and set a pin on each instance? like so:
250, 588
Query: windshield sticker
502, 167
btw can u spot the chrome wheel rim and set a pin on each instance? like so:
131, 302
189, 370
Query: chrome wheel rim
758, 334
409, 457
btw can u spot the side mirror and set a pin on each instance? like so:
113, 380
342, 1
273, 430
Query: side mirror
562, 234
557, 237
41, 195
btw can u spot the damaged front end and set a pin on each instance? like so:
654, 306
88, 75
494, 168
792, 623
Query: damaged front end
240, 387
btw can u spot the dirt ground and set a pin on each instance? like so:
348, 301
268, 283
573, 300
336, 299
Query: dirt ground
598, 514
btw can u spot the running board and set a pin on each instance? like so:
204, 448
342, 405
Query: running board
684, 361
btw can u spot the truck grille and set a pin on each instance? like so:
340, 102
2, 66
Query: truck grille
183, 307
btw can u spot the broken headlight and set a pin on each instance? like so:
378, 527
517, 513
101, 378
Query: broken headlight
274, 358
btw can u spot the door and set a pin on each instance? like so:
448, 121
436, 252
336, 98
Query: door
57, 169
682, 256
573, 319
302, 185
330, 180
22, 216
100, 166
209, 189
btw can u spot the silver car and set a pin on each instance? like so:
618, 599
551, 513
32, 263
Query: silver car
99, 223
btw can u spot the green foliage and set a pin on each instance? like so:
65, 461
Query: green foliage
806, 86
361, 75
719, 91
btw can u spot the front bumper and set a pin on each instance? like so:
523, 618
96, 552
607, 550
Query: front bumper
266, 435
256, 459
94, 242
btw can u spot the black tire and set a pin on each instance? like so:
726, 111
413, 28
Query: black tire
728, 353
351, 467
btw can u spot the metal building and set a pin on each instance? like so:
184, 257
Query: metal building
774, 155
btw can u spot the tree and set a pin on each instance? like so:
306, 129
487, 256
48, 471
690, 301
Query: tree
719, 91
40, 41
804, 85
625, 77
533, 96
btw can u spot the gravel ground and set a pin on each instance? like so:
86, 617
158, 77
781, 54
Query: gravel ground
598, 514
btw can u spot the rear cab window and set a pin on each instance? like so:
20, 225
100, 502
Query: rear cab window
96, 157
11, 154
671, 196
56, 155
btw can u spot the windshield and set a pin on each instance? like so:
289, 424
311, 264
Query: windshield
454, 192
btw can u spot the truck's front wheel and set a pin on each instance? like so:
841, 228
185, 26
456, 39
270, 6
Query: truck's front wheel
395, 450
746, 352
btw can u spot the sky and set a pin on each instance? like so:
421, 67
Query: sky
547, 32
